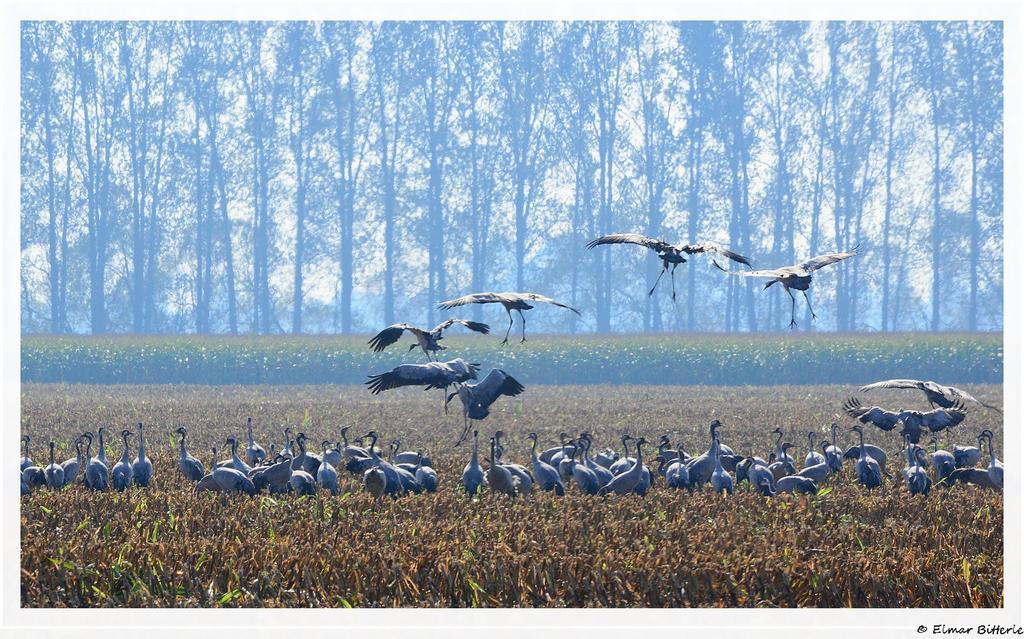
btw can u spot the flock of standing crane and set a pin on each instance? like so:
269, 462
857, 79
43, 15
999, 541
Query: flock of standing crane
293, 468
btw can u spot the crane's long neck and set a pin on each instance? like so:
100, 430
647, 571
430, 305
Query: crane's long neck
124, 456
810, 443
52, 462
492, 452
718, 454
475, 459
639, 465
991, 452
100, 452
533, 450
26, 440
78, 451
184, 453
863, 451
249, 428
142, 442
344, 436
625, 447
373, 449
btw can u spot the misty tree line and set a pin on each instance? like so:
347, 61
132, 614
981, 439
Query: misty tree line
337, 176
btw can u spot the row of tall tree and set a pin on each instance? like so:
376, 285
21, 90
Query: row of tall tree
337, 176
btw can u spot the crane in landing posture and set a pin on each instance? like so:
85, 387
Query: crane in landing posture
477, 398
669, 254
937, 394
432, 375
518, 302
912, 422
794, 277
426, 340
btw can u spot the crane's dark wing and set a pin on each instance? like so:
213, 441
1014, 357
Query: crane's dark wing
389, 336
432, 375
691, 249
536, 297
631, 238
884, 419
942, 418
479, 327
771, 273
815, 263
496, 384
472, 298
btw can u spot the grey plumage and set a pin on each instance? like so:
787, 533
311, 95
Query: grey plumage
669, 254
518, 302
913, 422
477, 398
430, 375
142, 467
546, 475
190, 467
937, 394
121, 473
796, 277
427, 340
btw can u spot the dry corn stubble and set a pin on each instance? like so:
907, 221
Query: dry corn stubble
167, 547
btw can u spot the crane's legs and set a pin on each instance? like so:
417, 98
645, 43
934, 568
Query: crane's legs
673, 276
664, 267
808, 300
522, 317
425, 351
465, 429
792, 308
505, 341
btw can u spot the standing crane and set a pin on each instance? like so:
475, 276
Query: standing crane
73, 465
54, 473
472, 474
794, 277
546, 474
518, 302
868, 471
26, 461
142, 467
426, 340
253, 452
191, 467
918, 482
669, 254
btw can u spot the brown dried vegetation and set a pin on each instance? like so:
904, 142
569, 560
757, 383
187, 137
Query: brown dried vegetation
167, 547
